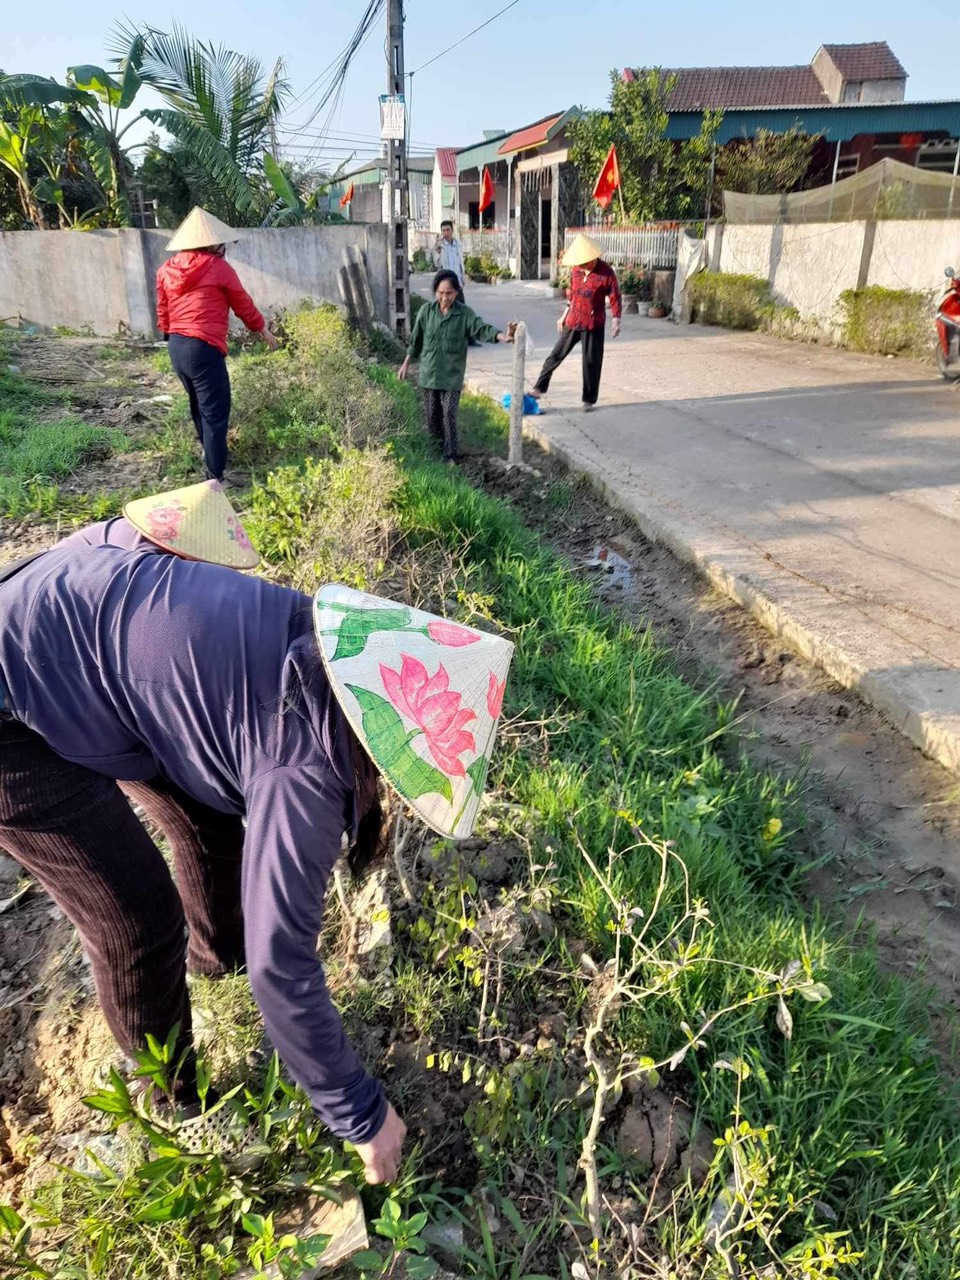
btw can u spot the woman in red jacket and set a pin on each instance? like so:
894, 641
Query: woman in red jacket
196, 291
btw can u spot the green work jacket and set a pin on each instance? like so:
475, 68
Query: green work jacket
439, 343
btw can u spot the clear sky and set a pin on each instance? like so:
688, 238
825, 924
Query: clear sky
541, 56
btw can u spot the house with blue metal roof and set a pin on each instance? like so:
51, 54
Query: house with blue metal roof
853, 96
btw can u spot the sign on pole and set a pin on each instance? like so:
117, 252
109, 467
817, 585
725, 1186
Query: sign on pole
393, 117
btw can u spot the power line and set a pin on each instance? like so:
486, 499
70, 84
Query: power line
459, 42
361, 139
333, 92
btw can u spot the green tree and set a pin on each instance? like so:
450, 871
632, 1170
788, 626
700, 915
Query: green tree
167, 176
299, 194
222, 107
659, 178
105, 98
767, 164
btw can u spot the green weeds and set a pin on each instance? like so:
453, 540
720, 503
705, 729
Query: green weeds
149, 1199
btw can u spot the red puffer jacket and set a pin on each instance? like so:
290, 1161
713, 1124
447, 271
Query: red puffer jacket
195, 293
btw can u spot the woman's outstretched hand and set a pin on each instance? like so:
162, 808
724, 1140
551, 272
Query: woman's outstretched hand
404, 370
381, 1156
270, 339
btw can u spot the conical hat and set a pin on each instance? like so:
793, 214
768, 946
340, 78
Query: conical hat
423, 695
582, 250
197, 523
201, 230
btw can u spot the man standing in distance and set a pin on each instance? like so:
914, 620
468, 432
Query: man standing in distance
448, 254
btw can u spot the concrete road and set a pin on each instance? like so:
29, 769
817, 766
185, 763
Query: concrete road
819, 488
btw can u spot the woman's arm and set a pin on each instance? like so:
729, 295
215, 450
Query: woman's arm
163, 307
416, 345
295, 820
243, 305
479, 329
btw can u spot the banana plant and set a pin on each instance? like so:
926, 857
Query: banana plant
33, 137
290, 208
99, 98
15, 157
106, 96
35, 132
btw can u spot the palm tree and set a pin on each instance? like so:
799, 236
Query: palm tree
222, 110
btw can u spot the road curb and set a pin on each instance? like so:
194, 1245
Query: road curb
936, 733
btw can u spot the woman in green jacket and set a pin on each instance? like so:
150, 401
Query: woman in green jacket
439, 342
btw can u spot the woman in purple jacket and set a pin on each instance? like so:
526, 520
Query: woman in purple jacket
204, 694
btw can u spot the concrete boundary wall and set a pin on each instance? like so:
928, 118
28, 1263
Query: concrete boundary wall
105, 279
808, 265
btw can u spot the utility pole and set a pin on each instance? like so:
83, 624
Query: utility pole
398, 191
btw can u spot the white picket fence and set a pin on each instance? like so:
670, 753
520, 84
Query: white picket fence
653, 245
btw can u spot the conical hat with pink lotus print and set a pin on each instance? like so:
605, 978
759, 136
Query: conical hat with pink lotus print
196, 522
423, 696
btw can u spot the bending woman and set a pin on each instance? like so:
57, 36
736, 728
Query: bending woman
215, 697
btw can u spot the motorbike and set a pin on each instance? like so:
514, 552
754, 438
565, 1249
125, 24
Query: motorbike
948, 329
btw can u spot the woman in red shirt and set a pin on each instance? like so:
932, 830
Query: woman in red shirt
592, 282
196, 291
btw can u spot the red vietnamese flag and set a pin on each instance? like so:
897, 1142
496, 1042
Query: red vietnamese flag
608, 180
486, 191
346, 197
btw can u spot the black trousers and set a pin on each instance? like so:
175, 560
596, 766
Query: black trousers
441, 414
75, 832
203, 371
592, 340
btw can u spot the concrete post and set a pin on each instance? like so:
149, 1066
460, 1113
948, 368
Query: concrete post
515, 449
138, 282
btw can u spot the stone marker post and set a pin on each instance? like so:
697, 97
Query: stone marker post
515, 450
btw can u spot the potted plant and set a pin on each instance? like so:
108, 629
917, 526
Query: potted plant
631, 279
473, 266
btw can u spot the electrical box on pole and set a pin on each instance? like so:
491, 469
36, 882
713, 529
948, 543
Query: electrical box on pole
393, 131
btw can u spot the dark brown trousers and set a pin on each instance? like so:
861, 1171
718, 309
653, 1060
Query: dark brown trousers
75, 832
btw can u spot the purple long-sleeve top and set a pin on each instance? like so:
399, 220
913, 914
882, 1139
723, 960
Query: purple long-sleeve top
136, 663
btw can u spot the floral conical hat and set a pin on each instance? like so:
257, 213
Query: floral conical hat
201, 230
422, 694
196, 522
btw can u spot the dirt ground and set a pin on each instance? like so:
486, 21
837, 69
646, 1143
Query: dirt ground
889, 817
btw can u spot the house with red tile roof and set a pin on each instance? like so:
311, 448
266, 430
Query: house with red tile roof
850, 96
444, 187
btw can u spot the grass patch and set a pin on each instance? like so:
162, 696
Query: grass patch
38, 448
34, 453
882, 322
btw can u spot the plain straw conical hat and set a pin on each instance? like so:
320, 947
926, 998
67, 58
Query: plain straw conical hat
422, 694
582, 250
201, 230
196, 522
